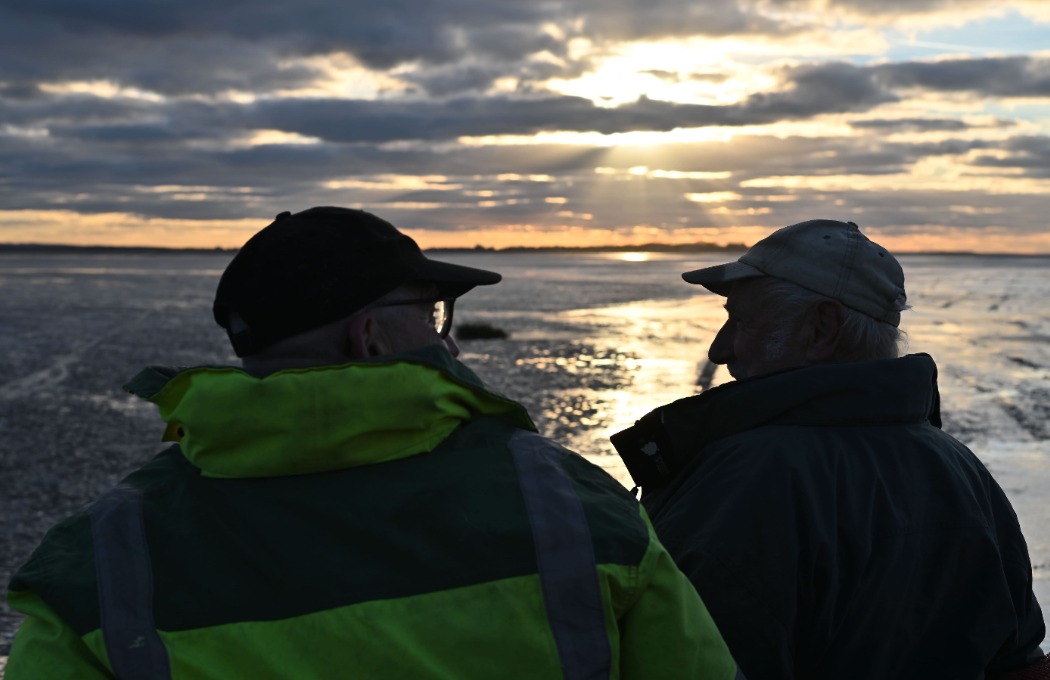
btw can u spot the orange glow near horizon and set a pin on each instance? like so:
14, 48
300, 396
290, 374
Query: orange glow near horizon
116, 229
944, 240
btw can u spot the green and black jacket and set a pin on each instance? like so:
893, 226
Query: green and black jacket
373, 520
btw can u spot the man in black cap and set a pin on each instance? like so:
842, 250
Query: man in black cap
354, 503
832, 528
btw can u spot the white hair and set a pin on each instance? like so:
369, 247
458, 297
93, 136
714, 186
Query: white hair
861, 336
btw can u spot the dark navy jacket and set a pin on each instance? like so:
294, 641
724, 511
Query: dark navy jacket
832, 528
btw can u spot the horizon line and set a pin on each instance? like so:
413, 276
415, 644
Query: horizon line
642, 247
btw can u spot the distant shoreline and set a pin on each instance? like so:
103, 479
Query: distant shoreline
130, 250
645, 247
48, 248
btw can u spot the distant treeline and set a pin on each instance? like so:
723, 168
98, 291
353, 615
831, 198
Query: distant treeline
131, 250
647, 247
643, 247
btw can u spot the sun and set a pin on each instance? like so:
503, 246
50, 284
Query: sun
687, 71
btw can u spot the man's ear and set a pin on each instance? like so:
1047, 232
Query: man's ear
363, 338
826, 320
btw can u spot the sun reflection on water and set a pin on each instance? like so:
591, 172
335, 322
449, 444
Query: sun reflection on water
639, 356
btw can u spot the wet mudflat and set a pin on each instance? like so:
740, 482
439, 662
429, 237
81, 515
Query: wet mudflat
596, 341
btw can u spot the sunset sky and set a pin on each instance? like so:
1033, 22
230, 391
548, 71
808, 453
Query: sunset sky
527, 122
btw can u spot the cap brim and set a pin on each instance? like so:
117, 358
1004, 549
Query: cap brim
454, 279
719, 279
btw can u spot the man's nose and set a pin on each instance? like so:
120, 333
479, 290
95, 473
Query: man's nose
453, 348
721, 350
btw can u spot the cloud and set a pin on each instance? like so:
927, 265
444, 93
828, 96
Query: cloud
806, 92
617, 20
992, 77
751, 113
243, 182
910, 124
207, 47
54, 39
1030, 155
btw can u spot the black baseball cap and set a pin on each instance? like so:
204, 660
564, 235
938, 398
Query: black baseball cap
317, 266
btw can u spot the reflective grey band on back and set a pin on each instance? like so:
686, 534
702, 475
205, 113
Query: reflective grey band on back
125, 586
565, 556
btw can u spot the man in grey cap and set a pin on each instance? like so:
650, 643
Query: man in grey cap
832, 528
354, 503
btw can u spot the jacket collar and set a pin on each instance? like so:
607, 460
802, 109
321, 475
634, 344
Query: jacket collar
232, 424
882, 392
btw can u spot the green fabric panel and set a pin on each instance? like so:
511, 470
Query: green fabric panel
664, 630
446, 519
225, 550
618, 531
232, 424
46, 647
61, 572
273, 548
494, 630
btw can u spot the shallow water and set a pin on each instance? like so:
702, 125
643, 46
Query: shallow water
596, 341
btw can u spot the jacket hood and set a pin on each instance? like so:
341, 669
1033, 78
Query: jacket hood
232, 424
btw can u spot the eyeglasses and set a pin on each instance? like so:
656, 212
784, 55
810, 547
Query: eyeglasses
440, 312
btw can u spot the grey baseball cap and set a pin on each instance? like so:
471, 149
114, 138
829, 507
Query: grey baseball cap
828, 257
